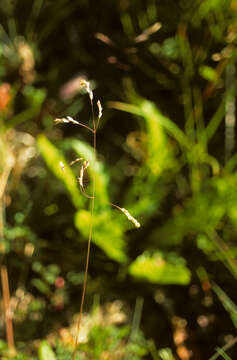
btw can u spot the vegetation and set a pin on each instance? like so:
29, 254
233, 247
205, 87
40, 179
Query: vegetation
160, 154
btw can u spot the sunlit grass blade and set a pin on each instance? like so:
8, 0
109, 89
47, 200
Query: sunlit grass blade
147, 108
227, 303
36, 98
156, 269
223, 354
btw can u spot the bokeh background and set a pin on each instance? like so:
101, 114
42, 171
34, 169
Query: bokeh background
165, 73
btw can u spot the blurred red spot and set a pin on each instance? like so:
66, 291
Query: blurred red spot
4, 96
59, 282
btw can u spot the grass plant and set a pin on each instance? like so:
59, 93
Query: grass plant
85, 164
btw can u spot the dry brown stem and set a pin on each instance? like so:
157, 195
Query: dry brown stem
4, 274
7, 309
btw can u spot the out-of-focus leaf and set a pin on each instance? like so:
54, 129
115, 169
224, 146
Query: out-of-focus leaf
200, 214
53, 157
170, 48
35, 99
205, 244
208, 73
215, 121
159, 155
41, 286
45, 352
148, 190
231, 164
108, 234
156, 269
212, 5
223, 354
227, 303
3, 345
166, 354
146, 109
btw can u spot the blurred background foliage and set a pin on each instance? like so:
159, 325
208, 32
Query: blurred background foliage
165, 73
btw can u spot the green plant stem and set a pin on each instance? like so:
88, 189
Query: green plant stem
226, 347
230, 262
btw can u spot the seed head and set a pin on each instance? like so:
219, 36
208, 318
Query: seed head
86, 85
99, 108
66, 120
85, 165
130, 217
61, 121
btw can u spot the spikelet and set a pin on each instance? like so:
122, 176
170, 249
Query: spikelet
130, 217
61, 121
86, 85
83, 168
70, 119
148, 32
99, 109
66, 120
80, 179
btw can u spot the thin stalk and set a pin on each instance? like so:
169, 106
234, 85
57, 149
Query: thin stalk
87, 127
7, 310
93, 129
90, 237
3, 268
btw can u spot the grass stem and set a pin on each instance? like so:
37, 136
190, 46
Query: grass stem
89, 238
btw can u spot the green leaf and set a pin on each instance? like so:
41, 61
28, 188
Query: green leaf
208, 73
166, 354
159, 155
205, 244
148, 188
107, 233
201, 213
35, 98
45, 352
215, 121
227, 303
148, 110
155, 269
223, 354
208, 6
41, 286
52, 157
3, 346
